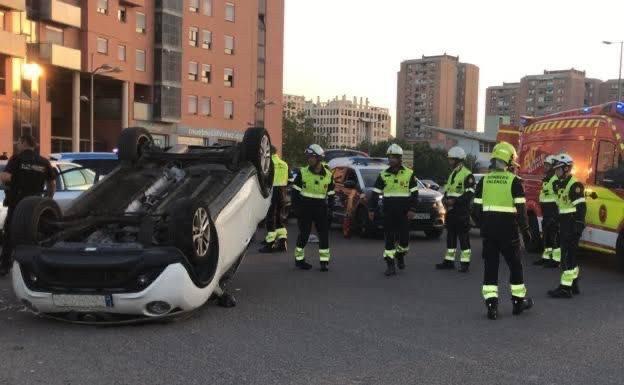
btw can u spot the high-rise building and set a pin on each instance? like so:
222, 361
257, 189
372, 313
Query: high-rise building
503, 101
436, 91
294, 105
347, 123
609, 90
551, 92
592, 92
192, 71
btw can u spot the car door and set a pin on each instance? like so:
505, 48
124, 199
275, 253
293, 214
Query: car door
74, 180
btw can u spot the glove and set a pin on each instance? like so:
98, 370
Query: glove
527, 237
578, 228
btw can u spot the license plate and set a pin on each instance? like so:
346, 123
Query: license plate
422, 216
83, 301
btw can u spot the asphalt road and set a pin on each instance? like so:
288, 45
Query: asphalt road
349, 326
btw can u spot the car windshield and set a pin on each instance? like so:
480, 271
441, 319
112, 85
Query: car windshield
370, 177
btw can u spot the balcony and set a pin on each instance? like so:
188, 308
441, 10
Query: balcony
142, 111
56, 55
58, 12
12, 44
133, 3
13, 5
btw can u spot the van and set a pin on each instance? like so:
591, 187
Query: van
593, 137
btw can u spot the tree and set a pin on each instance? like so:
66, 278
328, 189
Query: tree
298, 133
430, 163
379, 149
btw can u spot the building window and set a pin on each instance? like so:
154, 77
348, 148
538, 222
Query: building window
121, 52
229, 45
206, 70
193, 36
229, 12
102, 45
206, 109
2, 77
2, 25
207, 6
102, 6
228, 109
194, 5
53, 35
192, 104
122, 14
206, 39
228, 77
192, 71
140, 60
140, 22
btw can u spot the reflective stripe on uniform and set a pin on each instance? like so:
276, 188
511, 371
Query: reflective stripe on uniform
580, 200
453, 195
519, 200
299, 254
548, 200
270, 237
389, 253
313, 196
567, 211
556, 255
519, 291
489, 291
450, 254
401, 249
324, 255
281, 233
478, 201
330, 193
568, 276
466, 255
414, 189
548, 253
296, 188
500, 209
396, 195
470, 190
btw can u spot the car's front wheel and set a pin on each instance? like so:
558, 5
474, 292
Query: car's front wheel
33, 220
133, 142
192, 231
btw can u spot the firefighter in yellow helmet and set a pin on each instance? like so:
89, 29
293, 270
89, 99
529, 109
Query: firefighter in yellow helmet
276, 238
399, 188
500, 210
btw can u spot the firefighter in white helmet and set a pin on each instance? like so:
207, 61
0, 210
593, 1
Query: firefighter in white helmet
458, 194
550, 224
399, 188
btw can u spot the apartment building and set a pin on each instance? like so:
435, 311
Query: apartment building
347, 123
504, 101
436, 91
191, 71
608, 91
293, 105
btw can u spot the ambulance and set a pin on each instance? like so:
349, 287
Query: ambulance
593, 137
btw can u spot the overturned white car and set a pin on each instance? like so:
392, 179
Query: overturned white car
160, 235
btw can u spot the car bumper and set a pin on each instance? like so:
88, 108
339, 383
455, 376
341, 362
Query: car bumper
425, 221
173, 286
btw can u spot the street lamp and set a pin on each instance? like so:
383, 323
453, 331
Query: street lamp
103, 69
621, 43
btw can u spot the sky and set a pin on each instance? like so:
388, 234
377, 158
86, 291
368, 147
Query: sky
355, 47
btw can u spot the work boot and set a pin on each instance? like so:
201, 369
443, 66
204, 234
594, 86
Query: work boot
390, 270
561, 292
281, 246
575, 287
303, 265
521, 304
492, 308
464, 267
400, 257
551, 264
446, 265
267, 248
324, 266
540, 262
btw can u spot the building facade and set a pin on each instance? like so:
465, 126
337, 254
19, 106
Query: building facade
191, 71
436, 91
293, 105
347, 123
504, 101
608, 91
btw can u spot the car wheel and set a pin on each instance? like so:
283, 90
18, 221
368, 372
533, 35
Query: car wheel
433, 234
32, 220
256, 148
362, 224
133, 141
536, 244
192, 231
619, 252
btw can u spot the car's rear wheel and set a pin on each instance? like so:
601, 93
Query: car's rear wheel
192, 231
133, 142
33, 220
256, 148
433, 233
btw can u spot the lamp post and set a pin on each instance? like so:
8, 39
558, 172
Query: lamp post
621, 43
103, 69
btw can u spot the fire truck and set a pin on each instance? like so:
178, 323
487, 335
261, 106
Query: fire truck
593, 136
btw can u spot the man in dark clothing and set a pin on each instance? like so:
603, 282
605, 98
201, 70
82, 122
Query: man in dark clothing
400, 197
26, 174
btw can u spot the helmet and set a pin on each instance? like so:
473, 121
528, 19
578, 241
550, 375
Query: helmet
394, 149
505, 152
457, 153
563, 160
550, 159
315, 150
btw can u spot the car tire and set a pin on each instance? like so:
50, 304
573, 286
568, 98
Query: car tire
256, 149
192, 231
434, 233
536, 243
362, 224
28, 225
619, 253
132, 143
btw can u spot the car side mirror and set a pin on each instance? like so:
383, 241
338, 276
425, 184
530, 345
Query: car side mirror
350, 184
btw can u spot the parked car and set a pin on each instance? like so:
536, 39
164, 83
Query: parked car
102, 163
158, 236
355, 178
342, 153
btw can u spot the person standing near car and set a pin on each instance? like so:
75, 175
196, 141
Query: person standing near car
277, 234
26, 174
500, 209
572, 210
313, 202
550, 226
399, 188
458, 194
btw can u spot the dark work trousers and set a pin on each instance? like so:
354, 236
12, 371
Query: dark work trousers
396, 226
510, 250
310, 213
569, 241
7, 247
274, 216
550, 226
458, 228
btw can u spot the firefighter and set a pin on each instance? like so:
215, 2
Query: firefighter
277, 235
459, 191
572, 210
550, 226
400, 196
500, 210
313, 201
